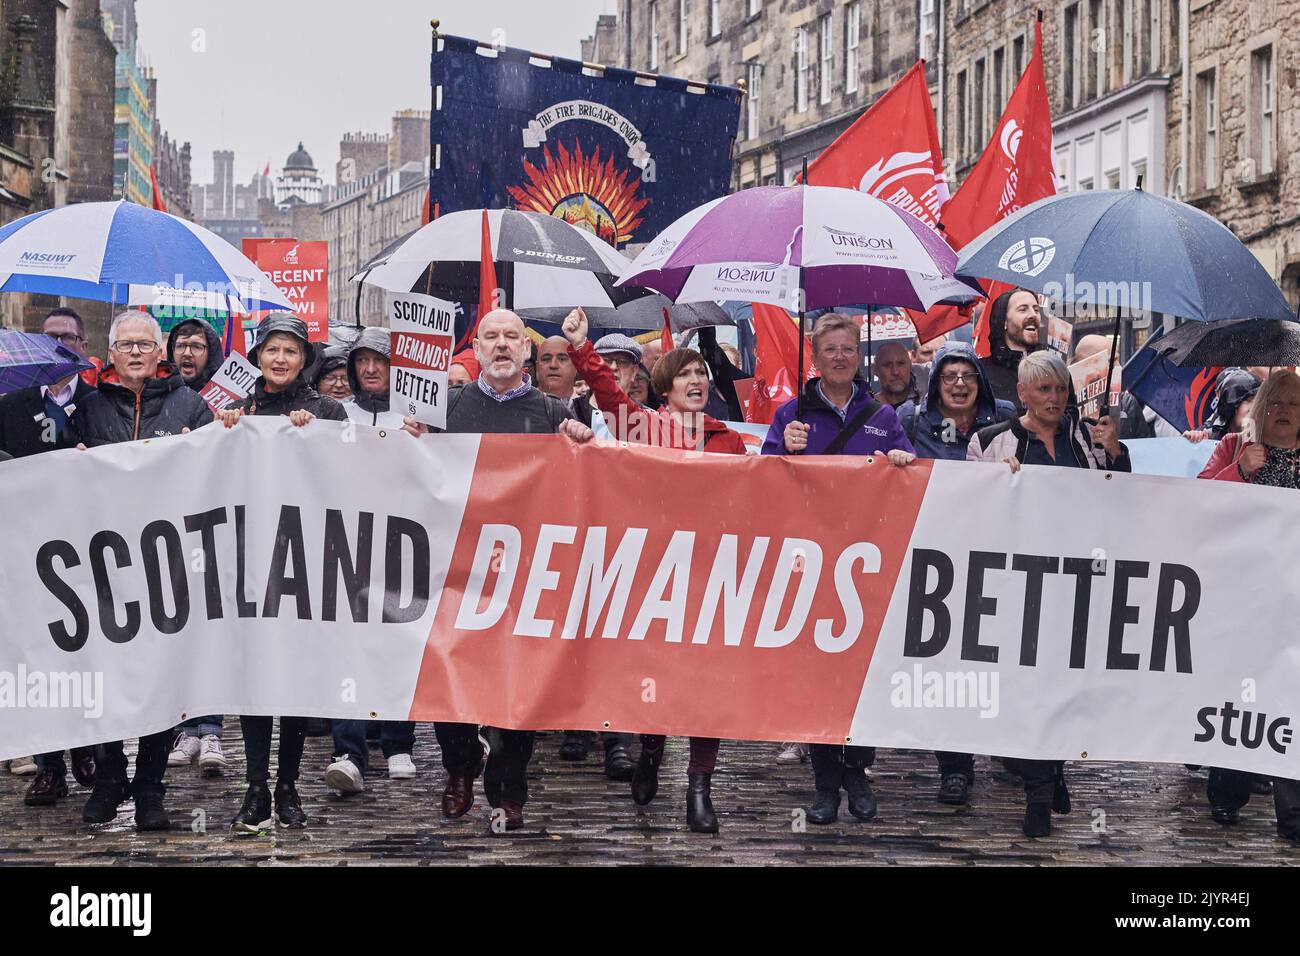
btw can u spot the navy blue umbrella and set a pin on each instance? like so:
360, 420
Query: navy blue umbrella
28, 359
1130, 249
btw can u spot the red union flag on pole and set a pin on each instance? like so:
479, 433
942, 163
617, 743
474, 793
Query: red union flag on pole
891, 151
1014, 170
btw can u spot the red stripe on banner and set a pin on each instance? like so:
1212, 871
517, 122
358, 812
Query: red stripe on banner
421, 350
638, 674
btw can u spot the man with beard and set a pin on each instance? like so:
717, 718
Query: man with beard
194, 350
1014, 323
555, 371
502, 400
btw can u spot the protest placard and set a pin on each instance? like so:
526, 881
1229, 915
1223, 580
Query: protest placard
231, 384
422, 329
1089, 376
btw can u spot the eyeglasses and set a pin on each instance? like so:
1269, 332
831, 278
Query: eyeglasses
67, 338
144, 348
191, 347
952, 378
836, 352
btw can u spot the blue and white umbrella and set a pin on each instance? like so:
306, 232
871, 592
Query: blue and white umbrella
125, 253
1130, 249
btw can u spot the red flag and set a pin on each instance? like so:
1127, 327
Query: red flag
487, 282
424, 216
267, 172
234, 339
157, 193
666, 337
891, 151
1014, 170
776, 348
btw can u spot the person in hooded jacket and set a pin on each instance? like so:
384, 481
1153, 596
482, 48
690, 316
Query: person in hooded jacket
958, 403
368, 363
682, 379
282, 351
1014, 332
330, 376
194, 349
1048, 433
138, 397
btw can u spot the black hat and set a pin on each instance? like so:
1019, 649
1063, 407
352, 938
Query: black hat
290, 324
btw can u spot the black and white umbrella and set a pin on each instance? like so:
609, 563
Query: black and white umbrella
1239, 342
541, 262
644, 313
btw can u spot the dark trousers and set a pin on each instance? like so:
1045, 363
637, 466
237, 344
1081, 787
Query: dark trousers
54, 761
395, 737
150, 762
831, 761
1040, 777
505, 779
704, 751
956, 763
257, 747
1231, 788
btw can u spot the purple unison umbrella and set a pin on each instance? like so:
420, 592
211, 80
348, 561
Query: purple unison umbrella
840, 246
31, 359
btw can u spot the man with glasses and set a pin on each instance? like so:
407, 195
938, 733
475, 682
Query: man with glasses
958, 403
35, 420
839, 417
194, 350
136, 399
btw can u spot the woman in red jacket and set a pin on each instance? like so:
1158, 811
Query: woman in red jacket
1266, 452
681, 378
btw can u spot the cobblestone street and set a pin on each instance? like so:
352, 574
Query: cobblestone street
1124, 814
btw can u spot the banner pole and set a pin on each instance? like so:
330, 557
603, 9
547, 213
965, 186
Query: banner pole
798, 383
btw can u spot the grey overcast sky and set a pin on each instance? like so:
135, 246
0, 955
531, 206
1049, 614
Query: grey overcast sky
257, 76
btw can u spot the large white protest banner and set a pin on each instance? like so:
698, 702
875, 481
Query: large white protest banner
523, 581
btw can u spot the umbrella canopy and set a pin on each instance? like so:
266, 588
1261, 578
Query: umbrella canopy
1232, 342
543, 262
765, 244
646, 312
122, 252
31, 359
1130, 249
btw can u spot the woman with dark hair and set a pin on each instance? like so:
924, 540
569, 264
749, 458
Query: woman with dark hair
1015, 322
283, 350
681, 378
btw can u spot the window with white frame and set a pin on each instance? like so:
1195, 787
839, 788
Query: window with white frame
683, 25
827, 59
1071, 44
963, 124
852, 38
654, 36
1263, 114
927, 37
754, 7
1208, 103
754, 73
715, 18
801, 70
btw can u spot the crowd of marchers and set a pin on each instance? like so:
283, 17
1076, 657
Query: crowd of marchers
936, 400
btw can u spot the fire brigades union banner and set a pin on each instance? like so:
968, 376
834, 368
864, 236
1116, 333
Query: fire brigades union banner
523, 581
617, 155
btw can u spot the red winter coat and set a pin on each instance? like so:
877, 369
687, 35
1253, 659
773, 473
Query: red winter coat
1223, 463
628, 421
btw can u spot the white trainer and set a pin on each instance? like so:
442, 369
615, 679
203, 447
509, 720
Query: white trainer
212, 762
185, 752
22, 766
401, 767
344, 776
793, 753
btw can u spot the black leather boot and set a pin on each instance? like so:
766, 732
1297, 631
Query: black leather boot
862, 802
1061, 795
104, 801
954, 790
576, 745
825, 807
288, 806
699, 807
645, 779
150, 814
618, 762
1038, 819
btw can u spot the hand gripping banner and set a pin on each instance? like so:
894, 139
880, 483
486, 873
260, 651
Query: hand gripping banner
527, 582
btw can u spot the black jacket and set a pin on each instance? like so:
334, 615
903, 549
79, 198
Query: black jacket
216, 355
22, 419
297, 396
114, 413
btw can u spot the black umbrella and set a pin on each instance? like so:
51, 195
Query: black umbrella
643, 313
1232, 342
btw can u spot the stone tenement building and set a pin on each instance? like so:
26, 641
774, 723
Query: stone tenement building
810, 66
1199, 97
